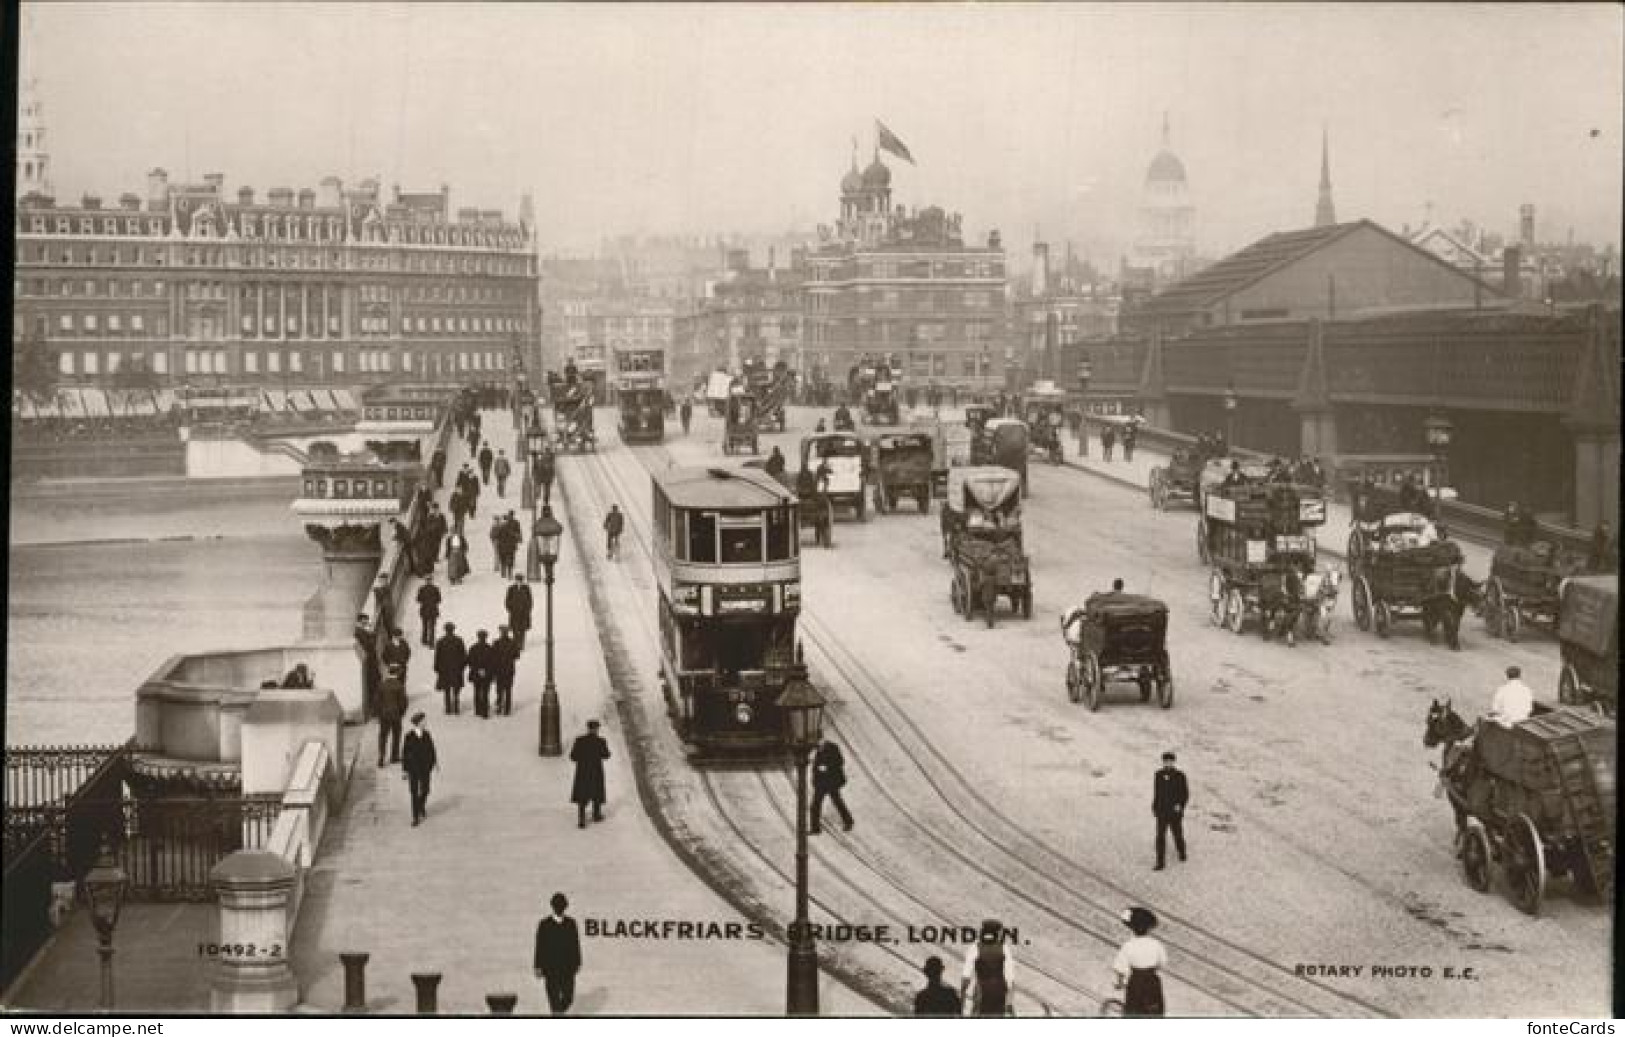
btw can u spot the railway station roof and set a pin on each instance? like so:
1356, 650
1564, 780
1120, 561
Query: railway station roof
721, 488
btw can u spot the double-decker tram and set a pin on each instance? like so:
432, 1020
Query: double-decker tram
727, 558
640, 390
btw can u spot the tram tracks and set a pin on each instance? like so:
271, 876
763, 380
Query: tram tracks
989, 850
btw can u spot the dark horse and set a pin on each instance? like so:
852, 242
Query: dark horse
1450, 593
1457, 763
1280, 604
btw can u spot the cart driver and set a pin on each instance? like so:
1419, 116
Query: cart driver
843, 417
1513, 701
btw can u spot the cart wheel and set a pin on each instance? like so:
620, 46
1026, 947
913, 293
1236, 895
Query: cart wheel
1475, 858
1144, 681
1151, 485
1514, 621
1494, 608
1093, 681
924, 497
956, 597
1215, 597
1526, 866
1569, 691
1201, 542
1165, 691
1074, 681
1027, 603
1235, 611
1382, 618
862, 510
1360, 602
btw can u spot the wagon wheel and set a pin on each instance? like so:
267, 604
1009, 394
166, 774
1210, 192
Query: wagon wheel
1475, 858
1215, 595
1165, 690
1162, 495
1074, 680
1027, 602
1514, 620
1382, 618
924, 497
1144, 681
1201, 542
1525, 865
1494, 608
1360, 602
1235, 610
1151, 485
1352, 550
862, 505
956, 596
1570, 691
1093, 681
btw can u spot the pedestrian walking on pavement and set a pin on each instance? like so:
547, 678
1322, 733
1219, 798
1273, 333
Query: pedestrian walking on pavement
497, 533
480, 667
558, 955
1108, 437
502, 469
391, 711
456, 557
829, 777
397, 652
614, 523
1128, 442
457, 503
686, 414
403, 543
1138, 965
486, 460
418, 760
1168, 798
508, 545
505, 658
588, 754
519, 603
938, 998
987, 983
431, 533
450, 660
429, 609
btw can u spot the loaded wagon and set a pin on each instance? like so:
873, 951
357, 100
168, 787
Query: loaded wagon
1524, 584
739, 428
1588, 633
1118, 637
982, 539
901, 463
1258, 537
1401, 568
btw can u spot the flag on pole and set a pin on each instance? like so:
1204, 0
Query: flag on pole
888, 140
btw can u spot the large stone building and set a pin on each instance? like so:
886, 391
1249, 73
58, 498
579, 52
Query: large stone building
1167, 240
886, 281
750, 313
1059, 308
193, 286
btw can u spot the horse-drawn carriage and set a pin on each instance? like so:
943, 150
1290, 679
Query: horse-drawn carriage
840, 455
901, 463
1401, 569
1044, 409
572, 415
1121, 637
1588, 632
739, 428
1003, 441
950, 448
1259, 539
1524, 586
1178, 480
1536, 798
772, 387
981, 529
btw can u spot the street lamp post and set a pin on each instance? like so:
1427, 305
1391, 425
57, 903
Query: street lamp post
544, 541
1439, 431
803, 709
1230, 401
104, 887
1086, 371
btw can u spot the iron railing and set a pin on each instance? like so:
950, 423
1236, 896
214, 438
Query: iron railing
38, 776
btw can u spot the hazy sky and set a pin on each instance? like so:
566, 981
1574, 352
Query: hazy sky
740, 117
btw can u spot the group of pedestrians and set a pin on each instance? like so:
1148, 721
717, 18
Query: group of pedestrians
1111, 435
506, 536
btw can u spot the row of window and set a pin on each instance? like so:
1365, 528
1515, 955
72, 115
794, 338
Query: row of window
110, 288
284, 258
899, 299
217, 361
901, 333
886, 269
377, 489
112, 323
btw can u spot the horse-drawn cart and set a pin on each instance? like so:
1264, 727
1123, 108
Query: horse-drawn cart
1588, 631
1523, 586
1259, 539
1401, 569
982, 539
901, 463
1536, 798
1118, 637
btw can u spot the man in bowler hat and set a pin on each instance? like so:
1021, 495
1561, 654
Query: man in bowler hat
558, 955
588, 754
1168, 799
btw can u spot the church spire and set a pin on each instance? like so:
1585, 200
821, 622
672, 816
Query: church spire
1325, 212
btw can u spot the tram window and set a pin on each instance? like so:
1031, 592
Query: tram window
779, 539
741, 545
702, 536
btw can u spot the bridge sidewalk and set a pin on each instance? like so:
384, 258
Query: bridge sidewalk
461, 895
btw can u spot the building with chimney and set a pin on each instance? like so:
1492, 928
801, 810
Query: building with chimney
749, 313
888, 282
1064, 304
192, 285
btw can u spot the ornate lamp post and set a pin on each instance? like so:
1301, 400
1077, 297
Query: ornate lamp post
1230, 402
104, 888
1086, 371
1439, 431
545, 542
803, 709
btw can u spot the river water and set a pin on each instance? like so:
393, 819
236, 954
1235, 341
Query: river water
102, 591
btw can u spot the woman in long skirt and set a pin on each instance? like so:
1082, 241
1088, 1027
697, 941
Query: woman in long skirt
1138, 966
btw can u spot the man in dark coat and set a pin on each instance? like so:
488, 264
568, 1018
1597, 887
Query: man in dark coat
614, 523
502, 468
558, 955
450, 660
481, 664
365, 646
437, 468
1168, 798
1600, 559
418, 760
397, 652
457, 503
685, 413
428, 609
509, 536
391, 710
403, 542
519, 604
505, 657
588, 754
486, 457
938, 998
829, 777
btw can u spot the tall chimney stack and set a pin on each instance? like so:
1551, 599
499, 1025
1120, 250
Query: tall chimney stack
1526, 225
1040, 268
1511, 279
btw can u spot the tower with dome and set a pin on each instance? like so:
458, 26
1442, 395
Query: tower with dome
1166, 242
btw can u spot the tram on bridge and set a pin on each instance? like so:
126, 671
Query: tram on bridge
728, 565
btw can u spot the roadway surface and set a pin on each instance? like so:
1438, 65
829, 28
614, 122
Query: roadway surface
1316, 839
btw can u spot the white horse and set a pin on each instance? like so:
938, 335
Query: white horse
1319, 601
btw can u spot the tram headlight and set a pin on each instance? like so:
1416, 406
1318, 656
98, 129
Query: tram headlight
743, 714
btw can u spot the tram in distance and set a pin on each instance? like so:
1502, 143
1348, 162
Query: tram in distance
642, 401
728, 564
